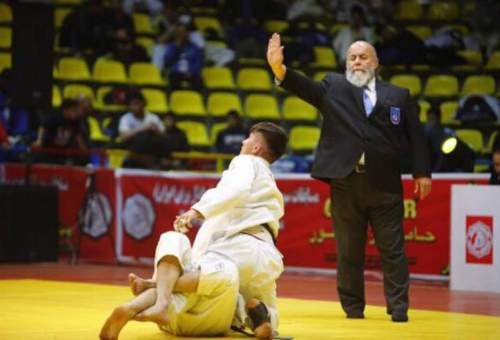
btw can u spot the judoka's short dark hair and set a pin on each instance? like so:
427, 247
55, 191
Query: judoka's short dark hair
275, 137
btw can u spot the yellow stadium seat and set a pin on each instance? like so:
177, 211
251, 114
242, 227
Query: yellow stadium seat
474, 60
295, 108
96, 133
5, 60
196, 133
408, 10
423, 32
5, 13
324, 57
204, 23
424, 107
56, 96
71, 68
59, 15
479, 84
5, 37
261, 106
68, 2
409, 81
441, 86
116, 157
277, 26
147, 43
187, 102
214, 131
100, 103
107, 71
145, 74
74, 90
156, 101
215, 43
220, 103
488, 148
448, 111
473, 138
142, 24
320, 75
494, 61
336, 28
304, 138
253, 79
443, 11
217, 78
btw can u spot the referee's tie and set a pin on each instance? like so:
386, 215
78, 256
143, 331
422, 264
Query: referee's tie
367, 102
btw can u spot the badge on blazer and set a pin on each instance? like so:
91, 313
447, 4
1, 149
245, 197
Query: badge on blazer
395, 114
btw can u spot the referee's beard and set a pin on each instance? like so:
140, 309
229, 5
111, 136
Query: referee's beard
359, 78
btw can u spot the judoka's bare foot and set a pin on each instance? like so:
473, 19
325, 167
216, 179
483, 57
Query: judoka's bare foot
264, 330
156, 313
115, 322
138, 284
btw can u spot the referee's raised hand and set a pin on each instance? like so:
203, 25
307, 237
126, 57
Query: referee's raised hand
275, 56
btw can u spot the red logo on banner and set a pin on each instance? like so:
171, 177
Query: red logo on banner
479, 239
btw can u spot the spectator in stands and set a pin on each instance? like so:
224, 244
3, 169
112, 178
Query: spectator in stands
4, 143
247, 37
399, 46
229, 139
15, 124
63, 131
86, 111
304, 9
154, 7
183, 59
357, 30
143, 133
495, 167
126, 50
177, 137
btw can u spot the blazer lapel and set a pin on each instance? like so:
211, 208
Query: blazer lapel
381, 89
357, 93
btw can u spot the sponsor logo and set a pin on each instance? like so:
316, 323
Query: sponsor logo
138, 216
479, 239
97, 215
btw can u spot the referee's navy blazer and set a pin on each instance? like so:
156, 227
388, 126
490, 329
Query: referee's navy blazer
391, 130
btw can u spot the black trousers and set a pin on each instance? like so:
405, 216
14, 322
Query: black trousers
355, 203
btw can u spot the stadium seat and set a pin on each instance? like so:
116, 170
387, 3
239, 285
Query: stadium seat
96, 133
261, 106
59, 14
320, 75
295, 108
474, 60
56, 96
324, 57
423, 32
5, 13
448, 111
441, 86
68, 2
424, 107
336, 28
147, 43
71, 68
488, 148
5, 37
109, 71
443, 11
156, 101
217, 78
408, 10
479, 84
205, 23
214, 131
473, 138
187, 102
196, 133
409, 81
142, 23
253, 79
277, 26
5, 60
74, 90
493, 62
220, 103
116, 157
145, 74
303, 138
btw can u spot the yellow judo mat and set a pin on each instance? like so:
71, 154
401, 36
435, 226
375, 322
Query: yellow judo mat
43, 310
